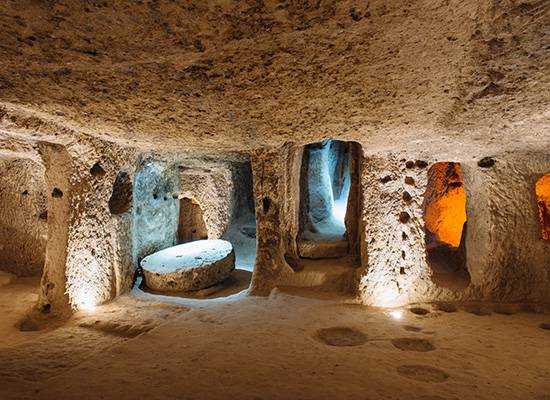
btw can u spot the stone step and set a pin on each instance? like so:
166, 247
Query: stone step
322, 249
328, 275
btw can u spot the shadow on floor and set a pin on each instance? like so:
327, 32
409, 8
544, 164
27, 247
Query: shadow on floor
238, 281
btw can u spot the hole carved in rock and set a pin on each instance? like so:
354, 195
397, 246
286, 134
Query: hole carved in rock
542, 190
191, 221
97, 170
121, 197
445, 225
57, 193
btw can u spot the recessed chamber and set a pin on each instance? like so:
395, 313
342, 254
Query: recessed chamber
542, 190
445, 225
191, 221
325, 183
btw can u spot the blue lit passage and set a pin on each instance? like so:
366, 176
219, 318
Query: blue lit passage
327, 167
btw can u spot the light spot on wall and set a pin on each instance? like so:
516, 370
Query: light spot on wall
86, 302
542, 189
85, 287
387, 295
396, 314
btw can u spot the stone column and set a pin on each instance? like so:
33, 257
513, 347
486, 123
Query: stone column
88, 255
397, 271
269, 169
53, 297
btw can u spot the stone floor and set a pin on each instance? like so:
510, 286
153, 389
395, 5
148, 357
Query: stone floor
282, 346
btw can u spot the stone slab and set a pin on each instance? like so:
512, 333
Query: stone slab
190, 266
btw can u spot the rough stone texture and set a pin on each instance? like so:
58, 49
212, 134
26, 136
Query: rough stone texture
23, 213
216, 185
190, 266
155, 214
355, 219
162, 179
322, 249
223, 188
6, 278
397, 272
81, 230
53, 296
121, 198
191, 224
507, 259
445, 225
277, 193
88, 256
425, 72
269, 167
422, 80
319, 183
97, 239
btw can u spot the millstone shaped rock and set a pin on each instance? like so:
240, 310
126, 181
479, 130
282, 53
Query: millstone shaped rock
189, 266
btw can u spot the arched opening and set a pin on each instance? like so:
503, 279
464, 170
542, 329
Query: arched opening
445, 225
191, 225
542, 190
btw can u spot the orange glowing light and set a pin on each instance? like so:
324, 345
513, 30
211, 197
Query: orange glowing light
445, 203
542, 190
194, 202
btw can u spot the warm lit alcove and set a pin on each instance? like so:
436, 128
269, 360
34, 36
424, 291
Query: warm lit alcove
542, 190
191, 224
445, 225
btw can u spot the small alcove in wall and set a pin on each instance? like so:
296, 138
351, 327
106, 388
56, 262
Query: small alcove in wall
445, 225
191, 225
542, 190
